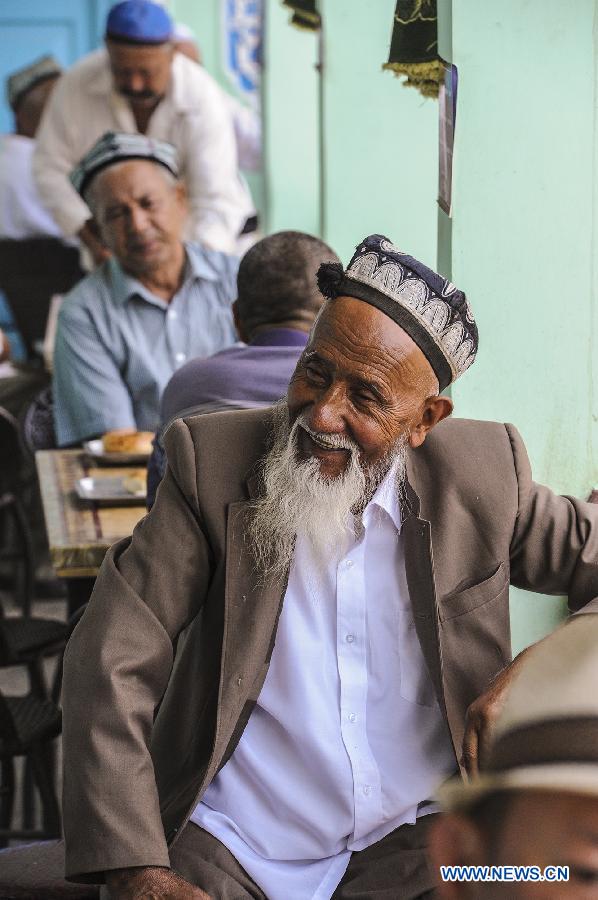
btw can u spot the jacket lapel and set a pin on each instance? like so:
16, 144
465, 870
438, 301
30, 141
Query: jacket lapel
419, 566
251, 615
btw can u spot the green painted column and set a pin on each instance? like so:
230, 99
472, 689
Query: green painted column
290, 96
524, 238
380, 147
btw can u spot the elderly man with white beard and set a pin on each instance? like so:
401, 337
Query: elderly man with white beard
310, 630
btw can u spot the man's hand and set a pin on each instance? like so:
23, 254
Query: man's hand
98, 250
151, 883
482, 715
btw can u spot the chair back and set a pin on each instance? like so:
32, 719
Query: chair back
8, 731
31, 272
11, 455
37, 423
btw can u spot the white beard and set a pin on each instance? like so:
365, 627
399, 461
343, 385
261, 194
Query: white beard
298, 500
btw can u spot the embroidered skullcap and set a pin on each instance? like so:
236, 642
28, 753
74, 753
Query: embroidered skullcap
429, 308
23, 80
139, 22
113, 148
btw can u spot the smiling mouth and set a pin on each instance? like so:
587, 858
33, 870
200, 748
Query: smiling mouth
323, 443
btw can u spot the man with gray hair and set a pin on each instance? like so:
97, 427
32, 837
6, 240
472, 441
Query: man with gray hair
283, 655
155, 303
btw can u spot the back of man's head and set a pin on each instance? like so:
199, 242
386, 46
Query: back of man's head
277, 283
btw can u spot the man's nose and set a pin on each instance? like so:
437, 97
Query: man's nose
327, 413
137, 220
135, 82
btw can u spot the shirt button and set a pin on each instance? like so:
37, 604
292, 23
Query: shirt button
349, 563
351, 717
350, 638
367, 790
180, 357
173, 314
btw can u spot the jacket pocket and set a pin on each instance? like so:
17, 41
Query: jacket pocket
460, 602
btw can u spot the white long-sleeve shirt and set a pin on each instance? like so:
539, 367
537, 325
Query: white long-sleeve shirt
347, 741
191, 116
22, 214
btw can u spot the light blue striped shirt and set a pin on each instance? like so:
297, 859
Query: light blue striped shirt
117, 345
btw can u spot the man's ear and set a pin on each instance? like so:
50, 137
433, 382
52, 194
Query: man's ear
94, 227
434, 411
454, 840
181, 193
237, 321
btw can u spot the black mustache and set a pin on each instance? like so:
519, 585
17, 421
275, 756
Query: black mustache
138, 95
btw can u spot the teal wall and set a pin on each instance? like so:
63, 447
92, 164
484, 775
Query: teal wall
524, 238
347, 152
290, 99
352, 151
380, 139
204, 18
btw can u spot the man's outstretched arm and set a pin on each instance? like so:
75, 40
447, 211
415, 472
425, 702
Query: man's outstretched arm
554, 550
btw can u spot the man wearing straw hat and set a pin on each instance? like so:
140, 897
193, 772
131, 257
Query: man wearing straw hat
533, 812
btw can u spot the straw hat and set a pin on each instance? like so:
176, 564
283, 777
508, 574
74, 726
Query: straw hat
546, 737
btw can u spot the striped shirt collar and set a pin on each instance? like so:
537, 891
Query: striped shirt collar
125, 286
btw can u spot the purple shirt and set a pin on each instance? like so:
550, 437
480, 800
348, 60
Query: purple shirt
240, 377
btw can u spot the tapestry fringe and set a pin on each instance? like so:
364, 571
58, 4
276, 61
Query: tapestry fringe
425, 77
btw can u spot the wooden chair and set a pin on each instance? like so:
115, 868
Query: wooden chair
31, 272
24, 640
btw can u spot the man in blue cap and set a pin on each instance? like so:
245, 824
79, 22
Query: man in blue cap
138, 83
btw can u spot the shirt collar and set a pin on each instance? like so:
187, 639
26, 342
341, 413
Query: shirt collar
386, 498
280, 337
125, 286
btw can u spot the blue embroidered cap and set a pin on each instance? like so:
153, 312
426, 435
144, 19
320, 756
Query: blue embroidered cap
429, 308
139, 22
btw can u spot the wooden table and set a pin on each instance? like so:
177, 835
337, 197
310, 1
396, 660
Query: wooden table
79, 532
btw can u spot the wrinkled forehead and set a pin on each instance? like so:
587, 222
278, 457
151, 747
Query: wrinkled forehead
357, 334
129, 177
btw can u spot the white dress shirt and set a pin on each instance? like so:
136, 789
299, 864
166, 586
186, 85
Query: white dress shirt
22, 213
192, 116
347, 738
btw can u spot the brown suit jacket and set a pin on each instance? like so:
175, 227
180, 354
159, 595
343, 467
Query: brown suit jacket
163, 670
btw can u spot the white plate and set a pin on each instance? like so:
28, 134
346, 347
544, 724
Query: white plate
109, 491
95, 449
